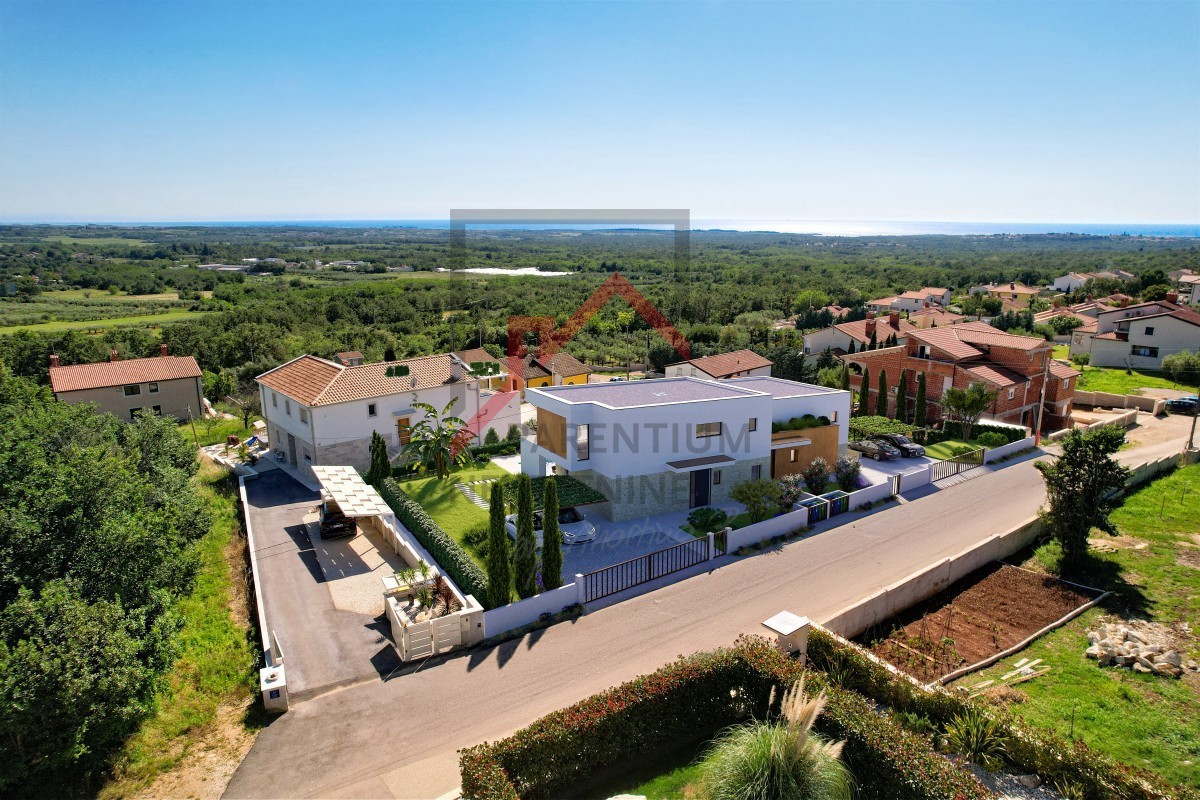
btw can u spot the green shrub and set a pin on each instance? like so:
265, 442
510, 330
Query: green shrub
707, 520
991, 439
862, 427
953, 430
846, 471
701, 692
476, 536
456, 562
1081, 359
800, 423
816, 475
491, 437
513, 435
977, 736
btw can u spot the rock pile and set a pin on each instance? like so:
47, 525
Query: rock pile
1118, 645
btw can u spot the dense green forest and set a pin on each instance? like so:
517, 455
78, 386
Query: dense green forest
101, 520
727, 293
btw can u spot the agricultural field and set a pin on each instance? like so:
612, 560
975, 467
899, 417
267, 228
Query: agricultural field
152, 320
1153, 570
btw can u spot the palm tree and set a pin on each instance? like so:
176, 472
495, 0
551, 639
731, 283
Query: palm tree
438, 439
778, 760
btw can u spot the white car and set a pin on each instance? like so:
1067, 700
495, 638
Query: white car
575, 529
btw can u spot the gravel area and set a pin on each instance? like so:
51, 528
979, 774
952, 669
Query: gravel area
1006, 784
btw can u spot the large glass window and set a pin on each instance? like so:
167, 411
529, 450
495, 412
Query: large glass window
583, 442
708, 429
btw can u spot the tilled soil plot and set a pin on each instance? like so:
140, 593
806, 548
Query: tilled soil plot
979, 616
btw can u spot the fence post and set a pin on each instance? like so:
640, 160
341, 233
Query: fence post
580, 597
712, 549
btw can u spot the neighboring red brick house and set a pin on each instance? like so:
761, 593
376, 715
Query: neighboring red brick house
972, 352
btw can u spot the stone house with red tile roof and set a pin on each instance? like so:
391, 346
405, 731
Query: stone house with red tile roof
735, 364
165, 385
840, 336
321, 412
973, 352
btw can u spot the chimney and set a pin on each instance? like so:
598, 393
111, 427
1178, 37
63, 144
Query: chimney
894, 320
162, 350
870, 325
54, 360
927, 304
1124, 302
456, 369
1012, 286
1172, 297
112, 355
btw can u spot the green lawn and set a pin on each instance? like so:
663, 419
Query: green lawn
213, 681
1142, 720
214, 431
1116, 381
448, 507
90, 324
1061, 351
945, 450
678, 783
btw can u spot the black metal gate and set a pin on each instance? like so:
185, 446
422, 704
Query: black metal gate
651, 566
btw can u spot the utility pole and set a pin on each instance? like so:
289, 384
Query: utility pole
1037, 432
1195, 414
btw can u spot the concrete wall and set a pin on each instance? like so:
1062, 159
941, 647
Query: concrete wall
524, 612
996, 453
1153, 405
173, 398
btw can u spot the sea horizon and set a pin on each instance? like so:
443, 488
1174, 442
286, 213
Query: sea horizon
832, 228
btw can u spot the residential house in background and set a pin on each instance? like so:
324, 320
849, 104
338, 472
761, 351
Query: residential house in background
912, 301
1018, 295
1187, 287
933, 317
560, 369
321, 412
489, 369
165, 385
841, 336
972, 352
1073, 281
677, 443
1138, 336
736, 364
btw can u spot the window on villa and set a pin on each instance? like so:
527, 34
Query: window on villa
274, 400
158, 411
1012, 392
154, 388
133, 412
792, 456
1066, 383
716, 477
370, 409
756, 472
704, 429
133, 389
832, 417
403, 431
287, 407
583, 448
754, 423
303, 414
1149, 330
1148, 352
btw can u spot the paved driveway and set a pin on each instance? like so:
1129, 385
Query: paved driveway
322, 646
621, 541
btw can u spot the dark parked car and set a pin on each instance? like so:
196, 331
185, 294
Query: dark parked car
876, 449
1183, 405
335, 524
902, 443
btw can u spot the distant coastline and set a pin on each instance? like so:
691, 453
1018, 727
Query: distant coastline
857, 228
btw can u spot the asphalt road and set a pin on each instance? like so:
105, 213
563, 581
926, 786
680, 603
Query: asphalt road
398, 738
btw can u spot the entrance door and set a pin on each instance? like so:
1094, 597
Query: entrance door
291, 450
700, 482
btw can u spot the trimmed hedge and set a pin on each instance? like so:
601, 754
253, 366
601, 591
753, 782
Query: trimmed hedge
862, 427
1031, 749
953, 430
571, 491
705, 691
448, 554
500, 448
800, 423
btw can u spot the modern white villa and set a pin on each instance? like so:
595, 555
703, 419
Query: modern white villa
671, 444
321, 412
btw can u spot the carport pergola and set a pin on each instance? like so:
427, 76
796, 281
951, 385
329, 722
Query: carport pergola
354, 496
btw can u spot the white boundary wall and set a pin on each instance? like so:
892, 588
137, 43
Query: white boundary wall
996, 453
523, 612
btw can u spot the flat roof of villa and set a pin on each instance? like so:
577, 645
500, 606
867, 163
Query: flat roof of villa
652, 392
780, 387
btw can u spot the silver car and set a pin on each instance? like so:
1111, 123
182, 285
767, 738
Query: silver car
575, 529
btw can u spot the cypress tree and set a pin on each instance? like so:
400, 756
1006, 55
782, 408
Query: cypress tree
845, 377
864, 394
525, 555
498, 568
881, 404
851, 350
919, 403
381, 467
902, 397
552, 557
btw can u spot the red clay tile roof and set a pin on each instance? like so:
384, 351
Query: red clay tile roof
723, 365
563, 363
959, 341
1116, 336
475, 354
857, 330
314, 381
1060, 370
996, 374
80, 377
531, 369
926, 317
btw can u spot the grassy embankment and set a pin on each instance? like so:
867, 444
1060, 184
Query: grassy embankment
1154, 571
204, 719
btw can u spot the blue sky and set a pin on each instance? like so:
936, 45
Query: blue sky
1012, 111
